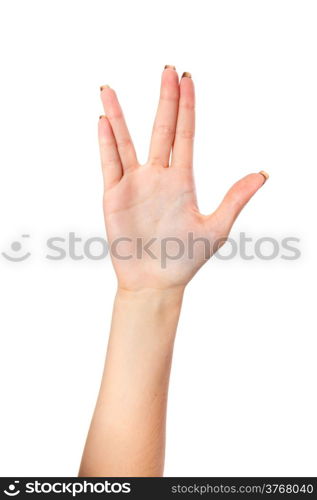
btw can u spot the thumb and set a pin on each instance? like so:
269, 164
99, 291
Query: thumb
236, 198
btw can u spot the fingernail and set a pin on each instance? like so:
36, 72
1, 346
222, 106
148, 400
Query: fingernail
170, 66
265, 175
102, 116
186, 75
104, 87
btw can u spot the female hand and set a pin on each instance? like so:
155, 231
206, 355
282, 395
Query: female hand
157, 200
151, 214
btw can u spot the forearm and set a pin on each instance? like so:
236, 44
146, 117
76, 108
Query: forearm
127, 433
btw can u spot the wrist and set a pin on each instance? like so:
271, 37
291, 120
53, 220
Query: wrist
157, 299
149, 310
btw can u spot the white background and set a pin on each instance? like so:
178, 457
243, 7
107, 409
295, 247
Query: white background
243, 386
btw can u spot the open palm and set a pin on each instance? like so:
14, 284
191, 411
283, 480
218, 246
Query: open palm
158, 237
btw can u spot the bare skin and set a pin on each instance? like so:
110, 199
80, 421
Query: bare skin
158, 199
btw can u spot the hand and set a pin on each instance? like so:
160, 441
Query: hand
141, 202
158, 200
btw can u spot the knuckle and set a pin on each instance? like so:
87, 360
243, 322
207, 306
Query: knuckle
105, 144
186, 133
124, 142
155, 161
187, 104
167, 95
164, 130
184, 164
111, 162
115, 114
